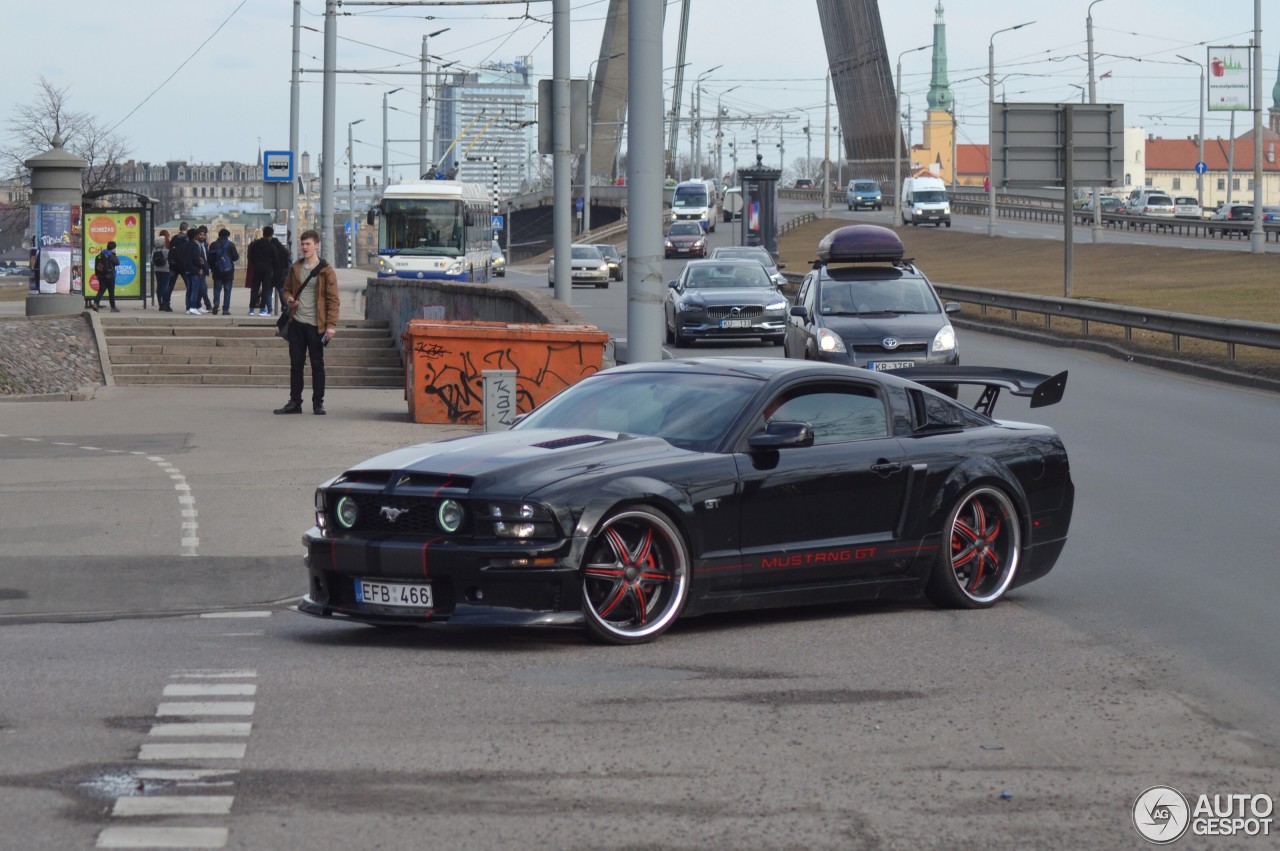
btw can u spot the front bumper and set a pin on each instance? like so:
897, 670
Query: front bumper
471, 584
706, 329
866, 359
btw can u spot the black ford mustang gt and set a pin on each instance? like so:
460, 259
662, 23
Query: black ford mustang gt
656, 490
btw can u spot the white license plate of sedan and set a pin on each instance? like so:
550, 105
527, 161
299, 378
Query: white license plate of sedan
882, 365
735, 323
401, 595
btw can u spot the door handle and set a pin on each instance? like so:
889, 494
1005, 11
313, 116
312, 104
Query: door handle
886, 468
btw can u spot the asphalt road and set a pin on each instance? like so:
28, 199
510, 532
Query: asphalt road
1147, 657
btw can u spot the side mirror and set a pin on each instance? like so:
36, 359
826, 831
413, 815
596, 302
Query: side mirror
782, 265
801, 311
782, 435
372, 217
675, 285
952, 307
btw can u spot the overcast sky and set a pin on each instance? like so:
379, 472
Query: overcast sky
178, 96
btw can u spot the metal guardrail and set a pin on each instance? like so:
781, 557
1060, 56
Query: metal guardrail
1231, 332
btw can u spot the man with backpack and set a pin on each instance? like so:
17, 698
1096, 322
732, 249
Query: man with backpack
222, 266
177, 261
262, 259
104, 269
195, 265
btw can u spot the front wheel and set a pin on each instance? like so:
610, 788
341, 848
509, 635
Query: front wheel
635, 578
981, 550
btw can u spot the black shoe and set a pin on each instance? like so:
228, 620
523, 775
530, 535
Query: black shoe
215, 311
318, 408
291, 407
94, 306
115, 310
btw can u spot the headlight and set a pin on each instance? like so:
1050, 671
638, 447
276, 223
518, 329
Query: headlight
944, 340
450, 516
348, 512
603, 267
829, 341
776, 305
668, 244
520, 520
700, 243
455, 268
946, 208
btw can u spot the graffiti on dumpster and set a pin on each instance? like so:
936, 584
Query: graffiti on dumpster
459, 384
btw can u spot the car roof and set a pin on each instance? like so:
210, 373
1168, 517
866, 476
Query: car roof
723, 261
763, 369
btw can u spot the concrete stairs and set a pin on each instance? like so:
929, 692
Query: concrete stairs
240, 351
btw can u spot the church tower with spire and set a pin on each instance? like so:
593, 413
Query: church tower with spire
937, 153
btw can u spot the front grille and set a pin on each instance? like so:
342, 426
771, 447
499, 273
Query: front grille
419, 517
745, 311
905, 347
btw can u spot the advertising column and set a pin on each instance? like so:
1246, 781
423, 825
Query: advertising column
58, 258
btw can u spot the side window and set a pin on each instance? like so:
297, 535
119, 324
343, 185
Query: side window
837, 414
803, 294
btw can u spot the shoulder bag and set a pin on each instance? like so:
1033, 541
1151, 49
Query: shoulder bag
286, 313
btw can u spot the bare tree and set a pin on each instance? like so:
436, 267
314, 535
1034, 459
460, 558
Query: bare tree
35, 127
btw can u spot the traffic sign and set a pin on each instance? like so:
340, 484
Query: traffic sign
277, 166
578, 203
1201, 168
497, 223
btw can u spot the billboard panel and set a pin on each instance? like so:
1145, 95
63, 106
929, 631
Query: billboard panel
1230, 78
124, 227
1030, 143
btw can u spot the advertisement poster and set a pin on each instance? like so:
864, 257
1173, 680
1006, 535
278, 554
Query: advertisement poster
124, 227
1230, 78
55, 224
55, 269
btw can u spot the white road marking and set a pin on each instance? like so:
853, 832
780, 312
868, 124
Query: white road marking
197, 729
210, 689
173, 805
244, 614
207, 750
212, 674
206, 708
163, 837
178, 774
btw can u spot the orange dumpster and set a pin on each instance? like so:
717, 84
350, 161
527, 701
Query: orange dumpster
445, 362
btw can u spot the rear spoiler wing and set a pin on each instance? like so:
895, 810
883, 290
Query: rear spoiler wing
1044, 390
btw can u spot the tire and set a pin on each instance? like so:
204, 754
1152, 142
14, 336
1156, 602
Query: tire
777, 341
980, 551
681, 340
603, 286
667, 333
635, 577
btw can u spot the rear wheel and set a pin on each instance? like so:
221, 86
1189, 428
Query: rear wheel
635, 578
981, 550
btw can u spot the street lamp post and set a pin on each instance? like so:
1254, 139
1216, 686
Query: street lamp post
719, 131
1093, 98
1199, 176
425, 159
386, 165
586, 170
991, 100
895, 211
695, 159
351, 192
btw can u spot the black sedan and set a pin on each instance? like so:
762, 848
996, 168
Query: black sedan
658, 490
724, 299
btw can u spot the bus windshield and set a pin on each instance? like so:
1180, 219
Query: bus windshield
424, 226
690, 196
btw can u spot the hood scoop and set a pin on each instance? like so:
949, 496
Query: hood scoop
576, 440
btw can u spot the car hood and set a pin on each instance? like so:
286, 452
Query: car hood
516, 463
719, 296
875, 327
681, 238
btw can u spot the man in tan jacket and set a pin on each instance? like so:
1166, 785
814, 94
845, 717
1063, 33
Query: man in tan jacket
311, 297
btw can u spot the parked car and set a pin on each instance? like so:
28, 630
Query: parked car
864, 193
864, 305
718, 299
753, 252
1236, 213
662, 490
588, 267
1187, 207
1271, 215
498, 260
613, 257
685, 239
804, 183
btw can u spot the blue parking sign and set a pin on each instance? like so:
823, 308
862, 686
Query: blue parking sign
497, 223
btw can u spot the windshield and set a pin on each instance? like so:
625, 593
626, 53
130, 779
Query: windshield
866, 186
690, 411
929, 196
853, 298
585, 252
757, 254
690, 196
685, 229
726, 276
422, 226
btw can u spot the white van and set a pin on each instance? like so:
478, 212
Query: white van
696, 201
924, 200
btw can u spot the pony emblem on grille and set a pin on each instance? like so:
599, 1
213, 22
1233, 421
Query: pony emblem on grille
393, 514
